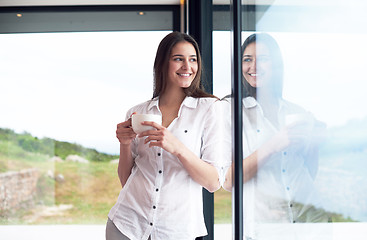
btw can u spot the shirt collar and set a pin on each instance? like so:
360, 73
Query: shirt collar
249, 102
153, 103
189, 102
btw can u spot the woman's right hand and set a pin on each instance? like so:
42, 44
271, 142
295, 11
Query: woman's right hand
125, 133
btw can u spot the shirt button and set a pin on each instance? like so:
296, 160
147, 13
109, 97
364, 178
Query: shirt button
156, 189
160, 171
159, 154
151, 224
185, 131
294, 221
284, 153
291, 205
154, 207
258, 130
283, 170
288, 188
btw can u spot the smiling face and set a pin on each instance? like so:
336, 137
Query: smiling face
256, 64
182, 65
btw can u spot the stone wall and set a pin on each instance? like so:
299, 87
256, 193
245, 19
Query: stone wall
17, 189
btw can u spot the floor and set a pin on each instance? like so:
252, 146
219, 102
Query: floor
339, 231
77, 232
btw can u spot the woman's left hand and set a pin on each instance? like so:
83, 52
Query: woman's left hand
161, 137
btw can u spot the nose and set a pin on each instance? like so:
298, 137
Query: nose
253, 64
186, 65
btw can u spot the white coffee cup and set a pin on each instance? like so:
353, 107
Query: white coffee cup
137, 119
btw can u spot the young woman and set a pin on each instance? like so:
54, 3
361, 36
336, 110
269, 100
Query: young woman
162, 171
281, 157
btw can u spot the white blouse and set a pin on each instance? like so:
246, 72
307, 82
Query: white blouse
283, 191
160, 199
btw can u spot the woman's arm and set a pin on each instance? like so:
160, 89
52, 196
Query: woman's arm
253, 162
202, 172
250, 167
125, 135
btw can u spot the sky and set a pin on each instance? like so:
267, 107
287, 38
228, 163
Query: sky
76, 87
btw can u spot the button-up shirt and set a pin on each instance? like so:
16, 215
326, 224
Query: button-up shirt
160, 199
283, 189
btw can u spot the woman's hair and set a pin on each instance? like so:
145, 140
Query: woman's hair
277, 64
163, 55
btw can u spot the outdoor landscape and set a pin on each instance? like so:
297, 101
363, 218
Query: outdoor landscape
342, 176
78, 185
69, 191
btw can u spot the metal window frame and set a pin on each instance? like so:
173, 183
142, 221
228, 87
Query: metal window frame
237, 172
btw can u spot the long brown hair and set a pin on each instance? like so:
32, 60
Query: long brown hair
162, 57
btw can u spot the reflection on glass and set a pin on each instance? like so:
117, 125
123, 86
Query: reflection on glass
280, 148
313, 41
286, 140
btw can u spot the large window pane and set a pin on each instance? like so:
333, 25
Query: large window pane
312, 188
62, 96
222, 88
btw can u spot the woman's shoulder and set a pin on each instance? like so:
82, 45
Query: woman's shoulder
207, 100
142, 107
292, 107
208, 105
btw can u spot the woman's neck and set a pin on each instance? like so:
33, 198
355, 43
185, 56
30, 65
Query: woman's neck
270, 107
171, 98
169, 105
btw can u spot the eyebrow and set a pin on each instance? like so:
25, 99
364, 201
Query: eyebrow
180, 55
259, 55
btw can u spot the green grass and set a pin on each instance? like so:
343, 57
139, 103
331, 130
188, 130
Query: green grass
222, 207
89, 189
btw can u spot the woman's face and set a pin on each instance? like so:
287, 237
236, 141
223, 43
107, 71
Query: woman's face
182, 65
256, 64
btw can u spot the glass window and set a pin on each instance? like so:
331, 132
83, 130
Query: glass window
62, 95
222, 88
299, 88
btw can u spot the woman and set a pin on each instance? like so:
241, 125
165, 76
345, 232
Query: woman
162, 171
281, 157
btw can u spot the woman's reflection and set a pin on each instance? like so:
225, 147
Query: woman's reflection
280, 145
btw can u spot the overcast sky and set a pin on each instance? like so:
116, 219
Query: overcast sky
77, 86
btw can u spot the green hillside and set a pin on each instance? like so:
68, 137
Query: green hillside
18, 145
87, 191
